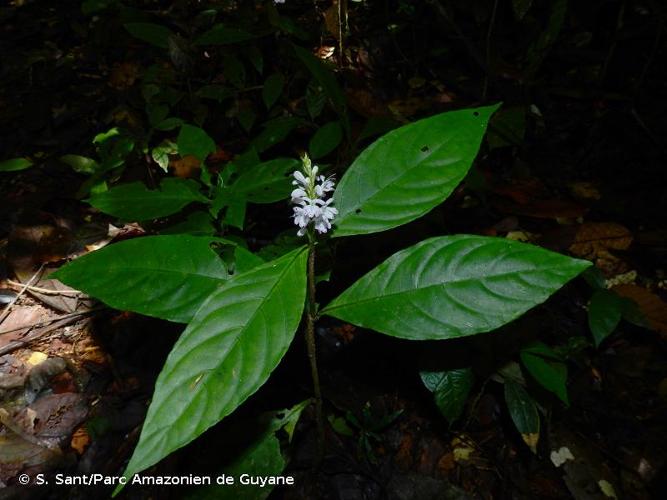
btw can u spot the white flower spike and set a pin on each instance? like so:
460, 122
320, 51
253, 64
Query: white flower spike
312, 208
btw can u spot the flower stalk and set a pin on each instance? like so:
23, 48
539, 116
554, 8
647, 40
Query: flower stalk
313, 214
311, 318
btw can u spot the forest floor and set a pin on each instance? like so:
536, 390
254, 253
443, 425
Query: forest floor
574, 164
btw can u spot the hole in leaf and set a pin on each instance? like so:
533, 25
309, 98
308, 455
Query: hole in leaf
357, 211
475, 113
424, 149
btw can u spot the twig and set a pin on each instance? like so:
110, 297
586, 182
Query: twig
8, 309
489, 35
472, 50
17, 344
49, 321
46, 291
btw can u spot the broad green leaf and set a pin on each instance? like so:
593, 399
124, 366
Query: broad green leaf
546, 368
200, 223
453, 286
539, 49
15, 164
507, 127
604, 314
315, 99
154, 34
163, 276
407, 172
234, 70
273, 87
261, 457
227, 352
80, 164
326, 139
246, 118
134, 201
223, 35
90, 7
194, 141
216, 92
275, 131
377, 125
523, 411
267, 182
169, 123
324, 77
450, 390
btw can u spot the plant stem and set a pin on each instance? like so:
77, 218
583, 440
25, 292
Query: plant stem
311, 316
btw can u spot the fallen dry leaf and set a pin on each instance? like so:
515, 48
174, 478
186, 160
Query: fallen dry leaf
123, 75
185, 167
595, 240
652, 306
80, 440
585, 191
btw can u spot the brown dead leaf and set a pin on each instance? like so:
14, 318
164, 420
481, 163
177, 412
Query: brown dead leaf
595, 240
366, 104
446, 463
585, 191
544, 209
123, 75
332, 19
403, 455
185, 167
80, 440
652, 306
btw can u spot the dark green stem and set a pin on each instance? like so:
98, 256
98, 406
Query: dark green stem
311, 316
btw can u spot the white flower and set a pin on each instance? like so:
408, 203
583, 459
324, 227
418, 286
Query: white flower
312, 208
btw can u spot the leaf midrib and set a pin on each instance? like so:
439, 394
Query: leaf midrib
240, 332
453, 282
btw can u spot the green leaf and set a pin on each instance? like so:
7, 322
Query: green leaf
15, 164
523, 411
160, 154
133, 201
80, 164
325, 140
453, 286
246, 118
169, 124
315, 99
450, 390
267, 182
194, 141
163, 276
507, 127
546, 368
154, 34
273, 87
275, 131
604, 314
227, 352
200, 223
407, 172
261, 457
215, 92
234, 70
223, 35
324, 77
